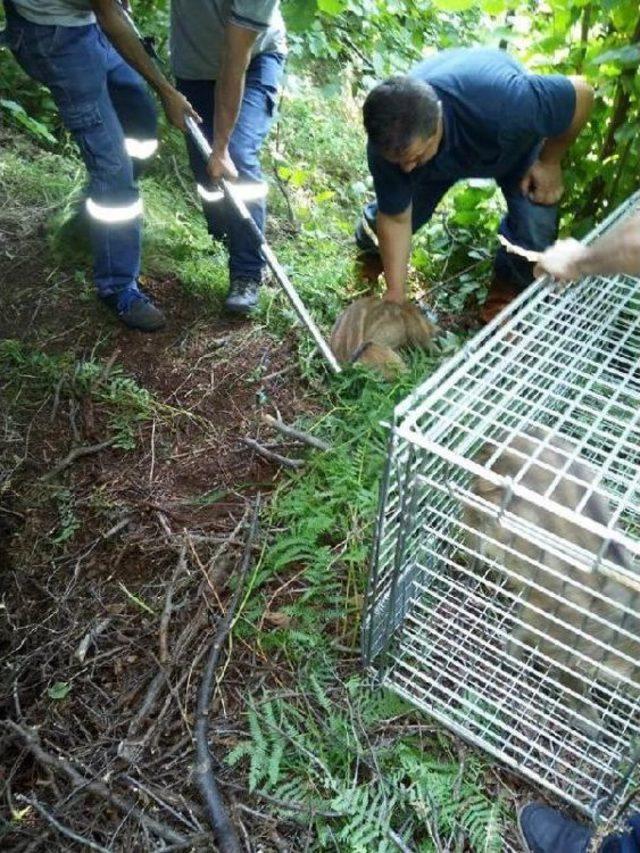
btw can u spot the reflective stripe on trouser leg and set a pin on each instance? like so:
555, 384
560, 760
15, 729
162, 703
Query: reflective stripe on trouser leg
116, 236
140, 149
114, 214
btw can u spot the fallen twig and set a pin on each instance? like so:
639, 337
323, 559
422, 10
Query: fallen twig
62, 766
168, 604
77, 453
63, 830
271, 455
90, 637
292, 432
224, 831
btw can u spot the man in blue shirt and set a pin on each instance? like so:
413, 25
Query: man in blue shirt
468, 113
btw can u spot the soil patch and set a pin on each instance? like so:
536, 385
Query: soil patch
116, 567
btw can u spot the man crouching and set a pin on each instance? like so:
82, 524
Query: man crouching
468, 113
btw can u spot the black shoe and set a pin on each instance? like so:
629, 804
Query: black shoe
546, 830
136, 311
242, 297
366, 237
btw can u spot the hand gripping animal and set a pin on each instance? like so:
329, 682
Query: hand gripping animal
370, 331
586, 623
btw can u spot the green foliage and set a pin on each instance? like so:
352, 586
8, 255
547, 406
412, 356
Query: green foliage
374, 37
59, 690
321, 759
35, 127
126, 404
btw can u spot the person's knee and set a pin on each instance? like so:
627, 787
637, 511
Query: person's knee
534, 226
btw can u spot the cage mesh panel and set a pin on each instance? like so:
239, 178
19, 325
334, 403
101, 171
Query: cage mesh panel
504, 636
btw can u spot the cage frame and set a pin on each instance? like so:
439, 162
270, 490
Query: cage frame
403, 444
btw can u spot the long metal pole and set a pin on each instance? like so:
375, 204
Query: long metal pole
282, 278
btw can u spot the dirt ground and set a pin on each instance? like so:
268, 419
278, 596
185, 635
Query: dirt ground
105, 622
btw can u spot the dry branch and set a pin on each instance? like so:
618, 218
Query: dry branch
59, 827
62, 767
297, 434
224, 831
77, 453
271, 455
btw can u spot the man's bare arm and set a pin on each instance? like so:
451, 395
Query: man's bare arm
394, 238
121, 34
617, 251
236, 56
543, 181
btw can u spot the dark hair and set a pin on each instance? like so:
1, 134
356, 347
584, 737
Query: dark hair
398, 110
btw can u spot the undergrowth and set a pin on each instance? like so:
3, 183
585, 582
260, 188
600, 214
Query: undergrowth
354, 765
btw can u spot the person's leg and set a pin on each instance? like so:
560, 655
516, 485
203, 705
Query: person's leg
201, 95
71, 61
426, 198
255, 118
135, 109
532, 226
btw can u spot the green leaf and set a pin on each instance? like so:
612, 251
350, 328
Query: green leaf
454, 5
628, 55
59, 690
493, 7
33, 125
299, 14
332, 7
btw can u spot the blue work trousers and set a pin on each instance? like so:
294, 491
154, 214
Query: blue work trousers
254, 120
627, 843
533, 226
107, 108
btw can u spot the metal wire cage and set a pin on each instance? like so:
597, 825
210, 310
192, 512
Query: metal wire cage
504, 592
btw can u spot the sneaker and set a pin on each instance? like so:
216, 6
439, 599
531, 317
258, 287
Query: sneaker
242, 297
546, 830
135, 310
365, 237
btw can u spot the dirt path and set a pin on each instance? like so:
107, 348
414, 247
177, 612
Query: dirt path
115, 567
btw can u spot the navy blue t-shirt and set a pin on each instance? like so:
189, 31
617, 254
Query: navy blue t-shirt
495, 114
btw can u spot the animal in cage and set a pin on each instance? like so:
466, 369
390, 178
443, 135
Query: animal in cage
370, 331
581, 619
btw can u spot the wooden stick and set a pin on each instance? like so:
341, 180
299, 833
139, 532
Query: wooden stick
77, 453
63, 830
292, 432
527, 254
224, 831
271, 455
62, 766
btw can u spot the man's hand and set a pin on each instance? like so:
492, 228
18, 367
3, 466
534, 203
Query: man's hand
221, 165
563, 260
177, 107
543, 183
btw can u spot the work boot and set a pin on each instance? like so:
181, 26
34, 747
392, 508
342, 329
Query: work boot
135, 310
242, 297
500, 294
546, 830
